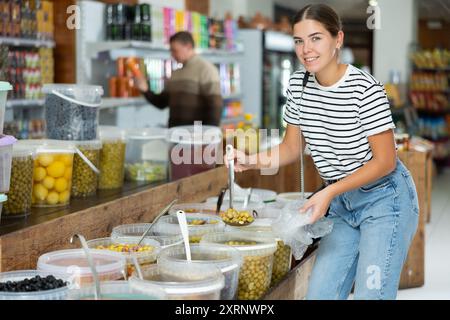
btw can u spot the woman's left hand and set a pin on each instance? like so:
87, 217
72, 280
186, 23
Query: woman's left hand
319, 204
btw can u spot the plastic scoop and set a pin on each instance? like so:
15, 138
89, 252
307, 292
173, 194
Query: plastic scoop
87, 161
230, 173
184, 232
86, 249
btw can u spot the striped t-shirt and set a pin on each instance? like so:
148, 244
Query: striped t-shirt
337, 120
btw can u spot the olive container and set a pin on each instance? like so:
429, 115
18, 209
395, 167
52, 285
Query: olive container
85, 180
258, 251
112, 158
21, 186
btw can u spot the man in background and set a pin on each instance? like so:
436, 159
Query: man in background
193, 92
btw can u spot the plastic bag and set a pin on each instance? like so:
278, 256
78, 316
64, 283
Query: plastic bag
296, 230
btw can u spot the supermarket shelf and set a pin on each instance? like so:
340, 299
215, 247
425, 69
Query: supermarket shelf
232, 97
232, 120
428, 112
27, 42
94, 48
15, 103
438, 140
122, 102
431, 69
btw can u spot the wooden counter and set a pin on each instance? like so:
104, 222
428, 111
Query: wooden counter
23, 240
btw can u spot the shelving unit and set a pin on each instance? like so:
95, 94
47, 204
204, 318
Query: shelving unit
24, 103
21, 42
96, 62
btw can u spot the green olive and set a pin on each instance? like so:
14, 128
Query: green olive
20, 191
84, 179
112, 159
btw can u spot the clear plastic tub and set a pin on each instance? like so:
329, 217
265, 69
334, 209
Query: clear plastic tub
226, 258
85, 180
282, 260
19, 195
53, 294
3, 198
147, 155
112, 157
258, 251
4, 88
182, 281
138, 229
257, 206
6, 149
168, 225
72, 263
193, 149
117, 290
52, 174
199, 208
149, 256
72, 111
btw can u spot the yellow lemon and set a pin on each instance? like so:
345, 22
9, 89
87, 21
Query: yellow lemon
68, 174
56, 169
45, 159
66, 159
49, 182
39, 174
61, 184
52, 198
64, 196
40, 192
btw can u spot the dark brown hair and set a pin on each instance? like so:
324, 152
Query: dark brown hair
320, 13
183, 37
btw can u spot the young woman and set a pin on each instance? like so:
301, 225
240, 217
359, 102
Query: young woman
343, 115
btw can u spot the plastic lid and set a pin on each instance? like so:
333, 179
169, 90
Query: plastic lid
7, 140
182, 278
264, 243
225, 257
195, 135
58, 262
20, 150
147, 134
5, 86
110, 133
169, 224
117, 290
3, 198
81, 94
48, 145
89, 144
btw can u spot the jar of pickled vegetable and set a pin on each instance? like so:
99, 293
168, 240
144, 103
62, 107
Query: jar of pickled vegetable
85, 180
112, 157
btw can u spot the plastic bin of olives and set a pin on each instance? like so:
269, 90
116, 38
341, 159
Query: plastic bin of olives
19, 194
258, 252
112, 158
138, 229
146, 253
85, 180
198, 225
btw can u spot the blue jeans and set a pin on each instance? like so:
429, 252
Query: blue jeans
373, 229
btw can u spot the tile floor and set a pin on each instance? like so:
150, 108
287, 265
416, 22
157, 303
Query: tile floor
437, 246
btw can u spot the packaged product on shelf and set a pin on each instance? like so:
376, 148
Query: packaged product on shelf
85, 179
72, 111
112, 157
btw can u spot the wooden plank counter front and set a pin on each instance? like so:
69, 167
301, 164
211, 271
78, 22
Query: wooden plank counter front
22, 241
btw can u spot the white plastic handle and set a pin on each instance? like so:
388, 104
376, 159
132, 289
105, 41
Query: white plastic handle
87, 161
63, 96
184, 232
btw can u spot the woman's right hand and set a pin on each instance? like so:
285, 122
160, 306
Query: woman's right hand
242, 161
